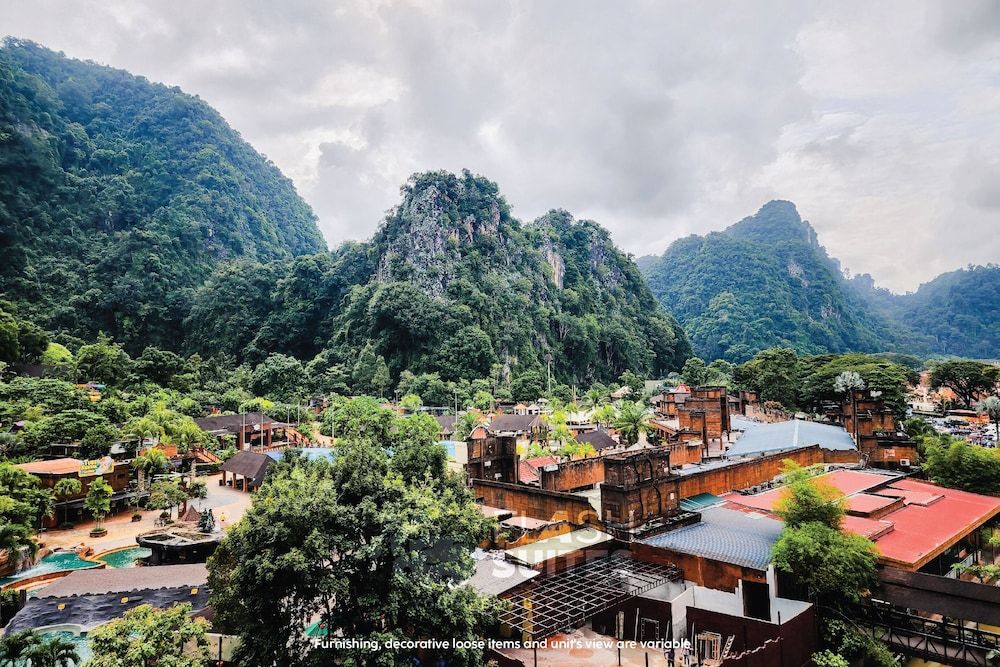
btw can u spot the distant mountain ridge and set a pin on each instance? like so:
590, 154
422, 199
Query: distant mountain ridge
452, 284
767, 281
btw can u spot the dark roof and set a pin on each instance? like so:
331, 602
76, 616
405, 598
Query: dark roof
725, 535
512, 423
90, 598
599, 439
232, 423
446, 422
123, 580
248, 464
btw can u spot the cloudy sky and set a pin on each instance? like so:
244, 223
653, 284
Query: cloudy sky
881, 121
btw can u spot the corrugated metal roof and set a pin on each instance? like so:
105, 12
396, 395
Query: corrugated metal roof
793, 434
725, 535
543, 550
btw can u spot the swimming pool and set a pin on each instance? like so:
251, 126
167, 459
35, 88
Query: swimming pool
124, 557
61, 560
79, 640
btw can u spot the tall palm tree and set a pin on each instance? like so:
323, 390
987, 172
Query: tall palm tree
53, 651
632, 421
15, 646
151, 462
64, 488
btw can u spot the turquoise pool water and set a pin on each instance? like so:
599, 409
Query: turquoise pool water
63, 560
125, 557
82, 645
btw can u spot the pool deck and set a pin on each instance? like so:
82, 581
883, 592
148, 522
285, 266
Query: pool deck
122, 531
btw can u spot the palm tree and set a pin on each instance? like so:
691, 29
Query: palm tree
14, 647
53, 651
64, 488
632, 421
593, 397
14, 537
151, 462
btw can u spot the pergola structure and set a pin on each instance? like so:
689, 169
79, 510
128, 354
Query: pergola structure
564, 600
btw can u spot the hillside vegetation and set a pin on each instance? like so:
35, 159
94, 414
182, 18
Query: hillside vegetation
119, 196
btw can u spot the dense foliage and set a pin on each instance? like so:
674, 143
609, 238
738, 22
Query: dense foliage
956, 313
450, 285
117, 196
763, 282
372, 545
766, 282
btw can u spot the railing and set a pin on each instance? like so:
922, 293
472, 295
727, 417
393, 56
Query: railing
944, 640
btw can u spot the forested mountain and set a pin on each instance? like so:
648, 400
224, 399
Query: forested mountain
119, 196
763, 282
957, 313
450, 284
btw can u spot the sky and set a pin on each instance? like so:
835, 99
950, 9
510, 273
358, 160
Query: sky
881, 121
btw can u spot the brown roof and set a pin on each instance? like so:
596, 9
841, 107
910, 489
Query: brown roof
512, 423
233, 423
248, 464
62, 466
122, 580
598, 439
446, 423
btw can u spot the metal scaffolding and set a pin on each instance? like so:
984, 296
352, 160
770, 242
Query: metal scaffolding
566, 599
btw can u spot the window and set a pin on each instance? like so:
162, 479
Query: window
709, 646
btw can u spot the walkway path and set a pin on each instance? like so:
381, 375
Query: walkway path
223, 500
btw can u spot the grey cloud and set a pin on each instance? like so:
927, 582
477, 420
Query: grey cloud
655, 119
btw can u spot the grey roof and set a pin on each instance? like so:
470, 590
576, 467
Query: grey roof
725, 535
494, 577
90, 611
599, 439
512, 423
122, 580
764, 438
741, 423
446, 423
251, 465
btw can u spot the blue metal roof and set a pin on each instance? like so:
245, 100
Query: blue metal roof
725, 535
310, 453
765, 438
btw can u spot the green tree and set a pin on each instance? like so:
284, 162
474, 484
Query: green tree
362, 417
775, 374
98, 501
148, 464
52, 651
279, 377
955, 463
632, 421
410, 403
968, 379
483, 401
695, 372
466, 423
103, 361
148, 637
97, 441
64, 489
807, 499
23, 504
372, 555
527, 386
166, 495
14, 646
57, 355
832, 564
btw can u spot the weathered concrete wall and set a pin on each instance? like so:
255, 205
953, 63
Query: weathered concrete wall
535, 503
571, 475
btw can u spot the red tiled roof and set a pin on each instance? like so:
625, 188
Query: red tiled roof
540, 462
526, 473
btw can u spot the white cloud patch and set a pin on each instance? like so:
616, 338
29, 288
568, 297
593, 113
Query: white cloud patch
656, 119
